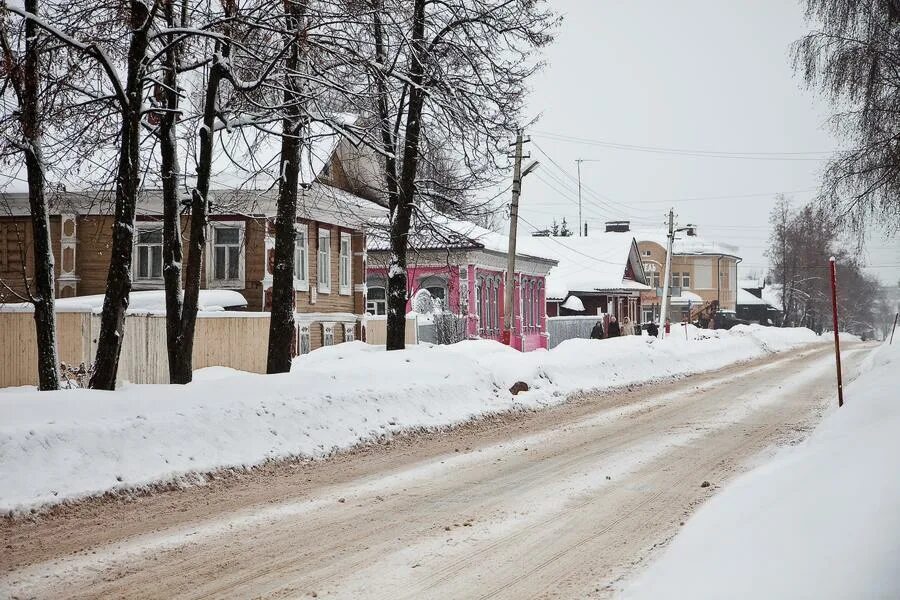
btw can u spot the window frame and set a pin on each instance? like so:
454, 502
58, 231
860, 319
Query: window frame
146, 227
301, 283
323, 233
345, 264
375, 302
211, 281
686, 279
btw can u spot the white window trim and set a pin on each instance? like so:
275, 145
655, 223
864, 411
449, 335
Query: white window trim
328, 331
146, 282
345, 289
304, 337
228, 284
324, 288
302, 285
349, 332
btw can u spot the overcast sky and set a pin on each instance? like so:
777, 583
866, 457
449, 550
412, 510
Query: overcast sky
701, 75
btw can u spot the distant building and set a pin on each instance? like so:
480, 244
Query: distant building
704, 274
600, 274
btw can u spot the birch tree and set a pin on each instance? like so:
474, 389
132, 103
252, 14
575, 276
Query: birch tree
853, 57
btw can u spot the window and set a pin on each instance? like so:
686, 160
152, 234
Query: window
495, 322
328, 334
488, 293
646, 253
149, 253
301, 257
538, 315
305, 345
344, 264
324, 264
376, 301
676, 280
686, 280
349, 332
652, 272
437, 287
703, 274
226, 254
527, 304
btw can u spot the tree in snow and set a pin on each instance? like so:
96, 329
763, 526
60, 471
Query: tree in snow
802, 242
22, 65
452, 71
853, 57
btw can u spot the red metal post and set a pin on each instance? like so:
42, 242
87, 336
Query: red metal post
837, 340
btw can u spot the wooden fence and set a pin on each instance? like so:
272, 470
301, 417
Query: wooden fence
236, 340
561, 329
376, 330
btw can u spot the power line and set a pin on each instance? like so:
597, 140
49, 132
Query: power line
783, 156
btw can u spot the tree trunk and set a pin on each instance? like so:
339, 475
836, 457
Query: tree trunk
282, 328
180, 366
44, 286
401, 214
118, 280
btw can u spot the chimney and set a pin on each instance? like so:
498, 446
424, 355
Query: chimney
691, 229
618, 226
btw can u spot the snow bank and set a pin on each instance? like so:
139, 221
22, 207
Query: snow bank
820, 521
69, 444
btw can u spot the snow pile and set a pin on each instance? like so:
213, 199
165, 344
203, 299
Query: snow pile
69, 444
821, 521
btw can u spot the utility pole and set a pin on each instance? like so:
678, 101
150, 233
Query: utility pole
509, 291
665, 299
837, 337
578, 162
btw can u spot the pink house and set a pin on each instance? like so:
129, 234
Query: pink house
464, 265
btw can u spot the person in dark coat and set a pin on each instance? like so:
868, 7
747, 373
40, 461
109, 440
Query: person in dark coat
653, 329
613, 329
597, 331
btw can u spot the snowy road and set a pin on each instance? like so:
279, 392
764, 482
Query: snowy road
557, 504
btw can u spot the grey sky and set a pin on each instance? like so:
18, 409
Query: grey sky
695, 74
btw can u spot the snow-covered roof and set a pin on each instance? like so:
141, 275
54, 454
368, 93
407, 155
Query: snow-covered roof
750, 284
320, 202
746, 298
439, 232
772, 295
150, 300
588, 264
686, 244
687, 297
574, 303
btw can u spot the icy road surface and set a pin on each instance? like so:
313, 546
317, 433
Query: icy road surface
561, 503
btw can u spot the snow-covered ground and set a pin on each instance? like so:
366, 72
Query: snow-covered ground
69, 444
820, 521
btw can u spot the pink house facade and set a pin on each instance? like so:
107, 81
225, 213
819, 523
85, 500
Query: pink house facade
467, 272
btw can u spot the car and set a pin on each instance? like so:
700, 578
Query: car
726, 319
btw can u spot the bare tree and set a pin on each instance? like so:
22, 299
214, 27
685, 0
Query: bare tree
118, 280
853, 56
454, 71
25, 79
281, 323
